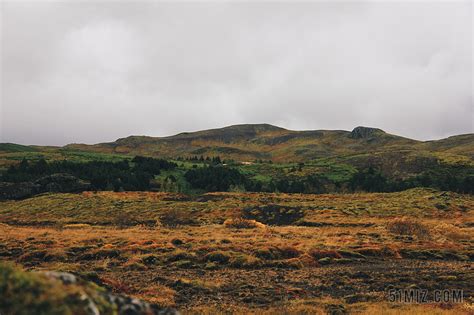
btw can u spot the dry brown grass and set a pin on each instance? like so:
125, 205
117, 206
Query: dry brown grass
202, 262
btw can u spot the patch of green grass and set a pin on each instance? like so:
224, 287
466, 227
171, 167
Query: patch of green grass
326, 167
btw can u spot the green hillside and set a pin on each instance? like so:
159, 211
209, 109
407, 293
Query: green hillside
335, 153
359, 148
12, 147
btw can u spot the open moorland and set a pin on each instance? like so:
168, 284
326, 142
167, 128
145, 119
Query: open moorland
252, 252
242, 219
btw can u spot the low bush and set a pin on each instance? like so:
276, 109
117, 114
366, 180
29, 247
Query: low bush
276, 253
181, 255
241, 223
378, 252
184, 264
406, 226
175, 217
43, 255
100, 254
218, 257
245, 261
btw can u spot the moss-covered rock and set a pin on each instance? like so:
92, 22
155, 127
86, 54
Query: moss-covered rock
51, 293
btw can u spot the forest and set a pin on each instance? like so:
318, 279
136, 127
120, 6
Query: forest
213, 174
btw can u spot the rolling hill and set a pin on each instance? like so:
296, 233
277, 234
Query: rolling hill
263, 141
362, 147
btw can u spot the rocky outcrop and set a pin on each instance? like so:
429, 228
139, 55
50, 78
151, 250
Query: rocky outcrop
61, 183
125, 305
51, 292
18, 190
64, 183
365, 132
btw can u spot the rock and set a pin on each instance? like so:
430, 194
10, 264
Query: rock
64, 183
18, 190
125, 305
65, 277
90, 307
365, 132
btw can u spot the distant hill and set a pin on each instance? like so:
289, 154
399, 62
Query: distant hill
264, 141
362, 147
12, 147
462, 144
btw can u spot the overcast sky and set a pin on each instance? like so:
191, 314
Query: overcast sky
93, 72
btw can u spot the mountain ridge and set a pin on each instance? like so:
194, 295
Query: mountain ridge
265, 141
247, 142
258, 129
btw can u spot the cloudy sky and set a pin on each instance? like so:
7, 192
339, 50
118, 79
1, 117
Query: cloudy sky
93, 72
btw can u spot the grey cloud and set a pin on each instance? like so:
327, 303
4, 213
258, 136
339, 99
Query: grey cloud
85, 72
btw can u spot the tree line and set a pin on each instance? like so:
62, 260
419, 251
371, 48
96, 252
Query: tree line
139, 172
218, 178
443, 178
135, 174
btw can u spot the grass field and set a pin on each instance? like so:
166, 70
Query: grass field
253, 252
